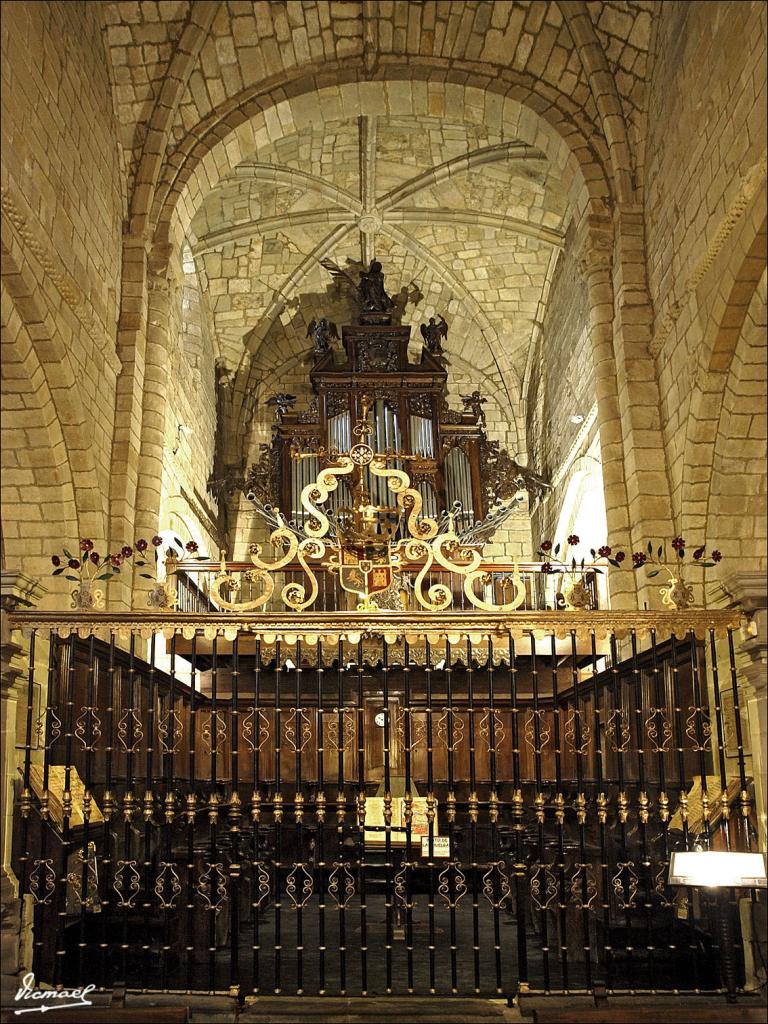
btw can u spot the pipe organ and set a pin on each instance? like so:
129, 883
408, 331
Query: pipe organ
407, 409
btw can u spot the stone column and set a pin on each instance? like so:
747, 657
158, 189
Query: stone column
156, 389
131, 348
16, 592
650, 505
749, 592
638, 503
595, 249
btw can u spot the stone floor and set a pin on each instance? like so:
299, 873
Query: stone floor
201, 1009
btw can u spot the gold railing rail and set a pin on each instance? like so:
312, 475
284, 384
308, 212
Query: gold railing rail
391, 625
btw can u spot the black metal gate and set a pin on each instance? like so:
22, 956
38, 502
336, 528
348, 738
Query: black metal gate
346, 818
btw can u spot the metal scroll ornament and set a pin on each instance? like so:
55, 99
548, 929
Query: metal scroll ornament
262, 884
170, 731
543, 885
214, 732
659, 729
583, 887
126, 883
88, 728
624, 884
577, 733
299, 886
42, 881
367, 546
212, 886
496, 887
492, 729
452, 884
168, 885
341, 883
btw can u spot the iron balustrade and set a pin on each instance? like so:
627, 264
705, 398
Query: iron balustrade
543, 591
388, 804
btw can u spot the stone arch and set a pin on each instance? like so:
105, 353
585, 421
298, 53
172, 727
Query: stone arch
604, 92
736, 499
235, 130
39, 511
260, 119
585, 478
176, 507
52, 357
740, 275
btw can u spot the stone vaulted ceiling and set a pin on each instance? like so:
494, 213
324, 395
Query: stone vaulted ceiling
466, 217
464, 220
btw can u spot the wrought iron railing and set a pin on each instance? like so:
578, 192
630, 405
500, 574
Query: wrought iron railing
308, 802
543, 590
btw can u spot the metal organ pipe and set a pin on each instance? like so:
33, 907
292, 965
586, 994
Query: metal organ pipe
458, 484
294, 486
421, 437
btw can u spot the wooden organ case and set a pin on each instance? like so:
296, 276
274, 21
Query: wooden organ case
408, 413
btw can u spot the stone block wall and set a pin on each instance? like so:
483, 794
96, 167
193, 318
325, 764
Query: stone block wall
190, 420
63, 203
705, 231
737, 515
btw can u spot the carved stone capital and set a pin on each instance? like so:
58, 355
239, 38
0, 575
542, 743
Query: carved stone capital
749, 592
594, 244
17, 593
159, 257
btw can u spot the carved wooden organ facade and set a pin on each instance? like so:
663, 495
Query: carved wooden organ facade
445, 452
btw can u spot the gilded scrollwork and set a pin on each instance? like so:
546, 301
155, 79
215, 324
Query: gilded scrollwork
167, 885
317, 493
341, 883
583, 887
543, 885
255, 729
212, 886
624, 884
617, 730
496, 887
408, 499
452, 884
42, 881
658, 726
299, 885
126, 883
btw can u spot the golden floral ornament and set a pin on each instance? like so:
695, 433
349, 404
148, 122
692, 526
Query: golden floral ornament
676, 594
88, 567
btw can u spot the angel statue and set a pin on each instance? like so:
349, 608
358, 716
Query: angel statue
282, 403
474, 403
370, 291
322, 332
432, 333
375, 298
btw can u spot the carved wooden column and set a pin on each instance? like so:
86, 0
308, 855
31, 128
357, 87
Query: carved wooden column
16, 591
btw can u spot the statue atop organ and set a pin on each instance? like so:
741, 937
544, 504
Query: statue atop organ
450, 459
